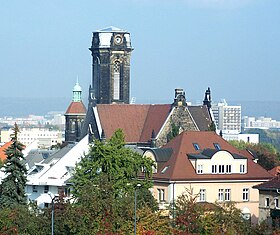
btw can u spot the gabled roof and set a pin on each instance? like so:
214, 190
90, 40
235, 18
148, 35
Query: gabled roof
136, 121
273, 184
2, 150
201, 116
76, 108
180, 167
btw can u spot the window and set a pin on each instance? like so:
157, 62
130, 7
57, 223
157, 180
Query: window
199, 169
116, 81
227, 194
228, 168
67, 191
245, 194
214, 168
161, 195
217, 146
266, 203
202, 195
221, 195
34, 188
196, 146
242, 168
46, 189
276, 202
221, 168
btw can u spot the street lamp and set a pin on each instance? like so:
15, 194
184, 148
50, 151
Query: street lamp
135, 206
52, 198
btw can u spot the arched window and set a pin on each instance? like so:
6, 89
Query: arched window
116, 81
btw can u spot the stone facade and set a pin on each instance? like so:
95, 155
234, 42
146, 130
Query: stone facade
181, 119
110, 52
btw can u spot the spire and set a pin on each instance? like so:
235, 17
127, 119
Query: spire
77, 92
207, 98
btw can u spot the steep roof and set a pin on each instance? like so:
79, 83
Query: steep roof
76, 108
179, 167
137, 121
2, 150
272, 184
201, 116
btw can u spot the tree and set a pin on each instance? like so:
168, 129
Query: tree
13, 185
173, 132
268, 156
104, 183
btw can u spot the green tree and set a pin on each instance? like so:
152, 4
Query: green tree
268, 156
13, 185
104, 183
173, 132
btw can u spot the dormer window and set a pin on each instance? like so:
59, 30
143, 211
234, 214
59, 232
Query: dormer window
196, 146
199, 169
217, 146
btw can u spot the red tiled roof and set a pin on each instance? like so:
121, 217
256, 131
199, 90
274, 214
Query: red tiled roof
271, 184
275, 171
76, 108
136, 121
2, 150
180, 167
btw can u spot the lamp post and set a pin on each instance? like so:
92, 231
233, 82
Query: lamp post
52, 198
135, 206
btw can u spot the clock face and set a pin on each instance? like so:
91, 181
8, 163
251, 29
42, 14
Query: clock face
118, 39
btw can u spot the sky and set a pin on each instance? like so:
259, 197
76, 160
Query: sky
231, 46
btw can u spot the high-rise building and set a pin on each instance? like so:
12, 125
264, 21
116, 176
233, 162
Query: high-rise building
227, 117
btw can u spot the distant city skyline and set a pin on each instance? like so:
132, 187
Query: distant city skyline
231, 46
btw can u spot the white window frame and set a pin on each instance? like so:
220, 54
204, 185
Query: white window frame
221, 195
242, 168
161, 195
227, 194
276, 202
202, 195
214, 169
267, 202
199, 169
245, 194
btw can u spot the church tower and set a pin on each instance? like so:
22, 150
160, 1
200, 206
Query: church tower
75, 116
110, 50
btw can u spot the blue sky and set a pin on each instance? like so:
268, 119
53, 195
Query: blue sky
230, 45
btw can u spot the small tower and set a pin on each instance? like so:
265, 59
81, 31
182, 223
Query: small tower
207, 98
74, 116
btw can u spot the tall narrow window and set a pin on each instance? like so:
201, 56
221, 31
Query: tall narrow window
276, 202
116, 81
245, 194
242, 168
202, 195
266, 203
221, 195
227, 194
161, 196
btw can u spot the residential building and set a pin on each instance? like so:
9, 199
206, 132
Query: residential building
227, 117
48, 172
206, 163
269, 206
